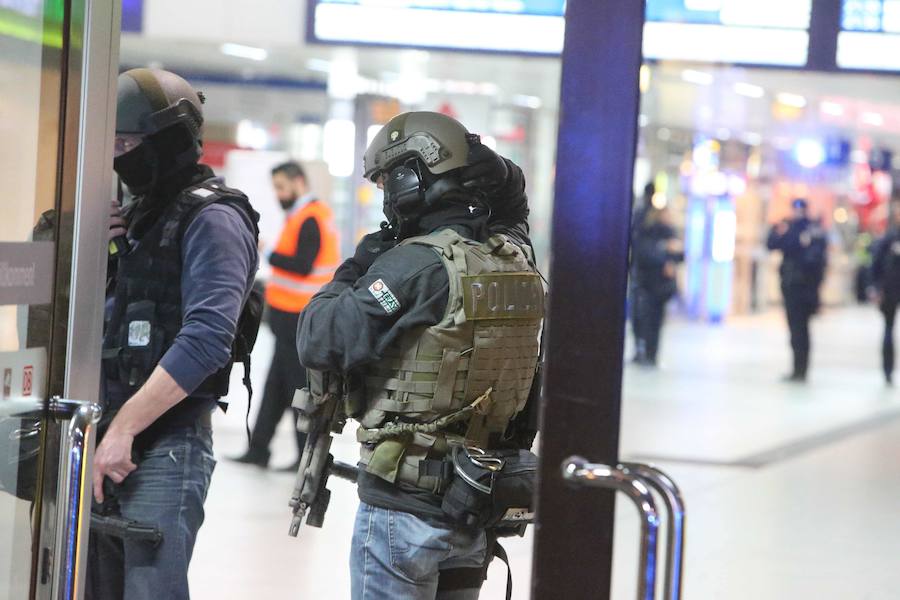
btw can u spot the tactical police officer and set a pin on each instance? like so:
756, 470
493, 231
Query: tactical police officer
438, 315
654, 255
181, 279
886, 284
803, 246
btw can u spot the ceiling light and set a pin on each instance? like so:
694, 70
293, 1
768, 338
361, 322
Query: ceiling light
318, 64
527, 101
751, 138
809, 153
834, 109
697, 77
795, 100
749, 90
241, 51
872, 118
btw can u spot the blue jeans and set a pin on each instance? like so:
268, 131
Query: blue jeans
166, 490
396, 555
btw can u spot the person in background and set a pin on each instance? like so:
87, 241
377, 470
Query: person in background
886, 285
656, 251
303, 260
804, 247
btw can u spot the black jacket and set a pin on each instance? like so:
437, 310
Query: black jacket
649, 255
344, 327
886, 265
804, 249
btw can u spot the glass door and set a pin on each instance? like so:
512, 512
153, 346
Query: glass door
58, 65
31, 77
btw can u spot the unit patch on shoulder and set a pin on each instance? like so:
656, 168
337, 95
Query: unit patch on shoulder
385, 296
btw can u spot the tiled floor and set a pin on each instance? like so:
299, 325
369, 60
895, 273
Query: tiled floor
791, 490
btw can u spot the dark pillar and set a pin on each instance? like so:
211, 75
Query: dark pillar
586, 322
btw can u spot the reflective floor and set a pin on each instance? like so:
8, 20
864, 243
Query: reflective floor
791, 490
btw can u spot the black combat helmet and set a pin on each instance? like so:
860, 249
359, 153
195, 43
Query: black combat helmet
167, 113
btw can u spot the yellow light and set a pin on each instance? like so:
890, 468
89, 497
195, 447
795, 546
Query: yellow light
841, 215
659, 201
645, 78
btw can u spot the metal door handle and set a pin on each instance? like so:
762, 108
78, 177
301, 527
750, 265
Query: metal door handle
580, 472
75, 490
635, 480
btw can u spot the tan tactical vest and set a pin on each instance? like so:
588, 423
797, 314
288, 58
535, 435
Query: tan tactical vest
460, 381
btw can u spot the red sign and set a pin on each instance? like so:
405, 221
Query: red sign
27, 376
214, 153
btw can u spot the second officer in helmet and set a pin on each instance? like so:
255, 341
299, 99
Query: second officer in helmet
179, 285
438, 315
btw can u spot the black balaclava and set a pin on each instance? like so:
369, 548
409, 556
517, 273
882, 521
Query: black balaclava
158, 160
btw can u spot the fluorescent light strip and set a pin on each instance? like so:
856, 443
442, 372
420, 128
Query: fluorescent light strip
872, 118
749, 90
835, 109
241, 51
697, 77
795, 100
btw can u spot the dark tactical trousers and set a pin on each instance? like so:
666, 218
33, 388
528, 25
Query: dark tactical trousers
647, 315
800, 306
889, 310
285, 376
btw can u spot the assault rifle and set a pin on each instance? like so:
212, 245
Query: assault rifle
322, 412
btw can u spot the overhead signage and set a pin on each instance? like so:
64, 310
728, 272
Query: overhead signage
763, 32
870, 35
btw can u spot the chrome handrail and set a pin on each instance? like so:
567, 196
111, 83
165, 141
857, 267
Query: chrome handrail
674, 502
75, 491
577, 470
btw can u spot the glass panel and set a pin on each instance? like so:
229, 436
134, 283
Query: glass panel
30, 63
754, 352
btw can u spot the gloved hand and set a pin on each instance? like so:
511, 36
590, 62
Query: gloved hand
371, 247
485, 169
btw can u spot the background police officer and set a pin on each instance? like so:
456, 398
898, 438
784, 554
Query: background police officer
886, 283
803, 247
395, 316
175, 297
303, 260
655, 252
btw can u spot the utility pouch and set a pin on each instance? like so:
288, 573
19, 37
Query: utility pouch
491, 490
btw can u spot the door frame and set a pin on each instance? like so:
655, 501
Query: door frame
84, 188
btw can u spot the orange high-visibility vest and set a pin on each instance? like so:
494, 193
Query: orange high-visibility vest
290, 292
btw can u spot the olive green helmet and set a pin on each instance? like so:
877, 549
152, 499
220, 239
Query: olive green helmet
150, 100
437, 140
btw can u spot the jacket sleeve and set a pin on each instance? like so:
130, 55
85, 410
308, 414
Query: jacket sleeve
775, 241
350, 324
879, 256
308, 242
219, 259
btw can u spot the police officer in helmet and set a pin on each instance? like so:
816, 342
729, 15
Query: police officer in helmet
416, 315
803, 246
179, 281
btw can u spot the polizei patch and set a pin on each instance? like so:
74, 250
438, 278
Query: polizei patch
385, 297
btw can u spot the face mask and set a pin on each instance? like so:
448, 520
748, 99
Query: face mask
136, 168
287, 204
